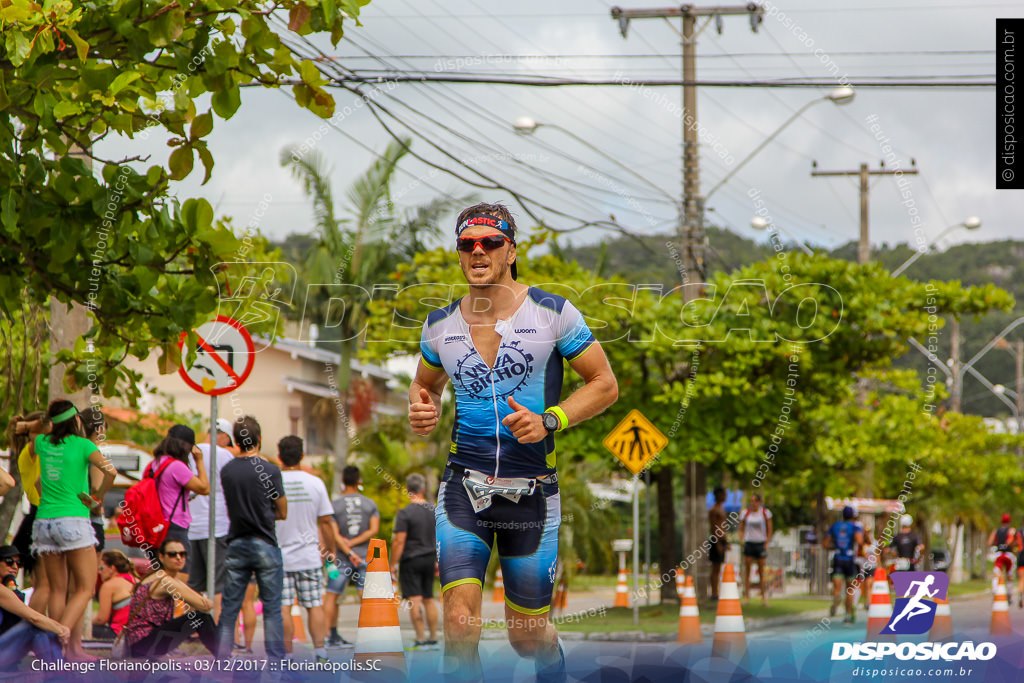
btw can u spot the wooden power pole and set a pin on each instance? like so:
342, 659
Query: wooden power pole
691, 239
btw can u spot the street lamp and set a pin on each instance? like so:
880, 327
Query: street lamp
758, 223
841, 95
526, 125
972, 223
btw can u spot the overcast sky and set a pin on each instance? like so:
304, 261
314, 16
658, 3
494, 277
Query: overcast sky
949, 133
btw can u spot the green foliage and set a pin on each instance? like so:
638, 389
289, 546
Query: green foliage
145, 264
983, 267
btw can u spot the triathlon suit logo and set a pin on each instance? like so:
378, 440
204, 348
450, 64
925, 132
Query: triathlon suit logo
914, 610
512, 367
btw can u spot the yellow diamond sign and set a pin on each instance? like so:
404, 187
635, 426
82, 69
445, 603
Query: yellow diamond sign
635, 441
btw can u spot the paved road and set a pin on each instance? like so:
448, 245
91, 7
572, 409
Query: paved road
792, 651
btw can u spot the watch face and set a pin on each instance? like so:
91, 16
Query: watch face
550, 422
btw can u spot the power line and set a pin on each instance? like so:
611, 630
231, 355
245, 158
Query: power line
703, 57
511, 156
553, 82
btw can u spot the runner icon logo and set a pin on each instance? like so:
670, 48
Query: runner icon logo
914, 609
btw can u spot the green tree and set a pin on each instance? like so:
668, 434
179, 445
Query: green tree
145, 264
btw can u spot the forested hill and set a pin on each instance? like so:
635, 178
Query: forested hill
649, 260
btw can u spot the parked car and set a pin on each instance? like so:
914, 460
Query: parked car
130, 461
939, 560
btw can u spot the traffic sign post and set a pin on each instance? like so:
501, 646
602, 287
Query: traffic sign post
636, 442
224, 360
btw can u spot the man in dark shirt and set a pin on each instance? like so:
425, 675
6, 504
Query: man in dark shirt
906, 546
719, 524
413, 559
254, 495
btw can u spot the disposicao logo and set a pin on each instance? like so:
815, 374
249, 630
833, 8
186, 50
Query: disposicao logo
916, 594
913, 614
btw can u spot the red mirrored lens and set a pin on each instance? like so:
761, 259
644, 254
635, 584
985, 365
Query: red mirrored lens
488, 242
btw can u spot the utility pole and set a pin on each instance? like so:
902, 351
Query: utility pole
863, 257
864, 244
691, 239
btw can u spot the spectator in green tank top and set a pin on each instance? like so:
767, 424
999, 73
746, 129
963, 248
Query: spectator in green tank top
62, 535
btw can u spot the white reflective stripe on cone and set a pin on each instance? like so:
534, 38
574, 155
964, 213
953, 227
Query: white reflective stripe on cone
729, 592
377, 585
379, 639
880, 611
729, 624
688, 611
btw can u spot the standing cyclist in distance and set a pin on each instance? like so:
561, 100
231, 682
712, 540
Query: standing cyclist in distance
502, 346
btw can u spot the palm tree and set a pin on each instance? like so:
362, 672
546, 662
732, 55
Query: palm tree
363, 248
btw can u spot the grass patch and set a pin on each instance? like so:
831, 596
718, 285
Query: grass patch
971, 586
587, 582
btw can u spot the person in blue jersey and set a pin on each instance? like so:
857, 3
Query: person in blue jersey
845, 538
502, 346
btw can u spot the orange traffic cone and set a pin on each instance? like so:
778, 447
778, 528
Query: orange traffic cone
1000, 625
880, 609
379, 636
621, 589
680, 585
942, 628
689, 617
730, 639
561, 598
499, 588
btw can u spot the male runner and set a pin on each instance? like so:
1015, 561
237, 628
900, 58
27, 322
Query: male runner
906, 546
1006, 543
502, 345
845, 537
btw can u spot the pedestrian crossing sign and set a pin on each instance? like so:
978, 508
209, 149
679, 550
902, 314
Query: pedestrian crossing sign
635, 441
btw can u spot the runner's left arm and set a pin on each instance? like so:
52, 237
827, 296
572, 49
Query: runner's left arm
599, 391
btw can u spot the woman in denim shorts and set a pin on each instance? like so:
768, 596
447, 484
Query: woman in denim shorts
62, 535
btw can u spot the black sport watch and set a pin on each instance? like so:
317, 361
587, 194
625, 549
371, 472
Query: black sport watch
550, 422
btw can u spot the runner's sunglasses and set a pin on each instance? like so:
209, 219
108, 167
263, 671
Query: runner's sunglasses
488, 242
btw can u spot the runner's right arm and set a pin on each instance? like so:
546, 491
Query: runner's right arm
425, 409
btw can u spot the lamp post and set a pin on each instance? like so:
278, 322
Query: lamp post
758, 223
841, 95
526, 125
972, 223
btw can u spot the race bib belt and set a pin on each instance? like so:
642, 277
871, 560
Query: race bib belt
482, 488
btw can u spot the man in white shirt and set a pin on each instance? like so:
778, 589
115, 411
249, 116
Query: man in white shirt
199, 530
305, 537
